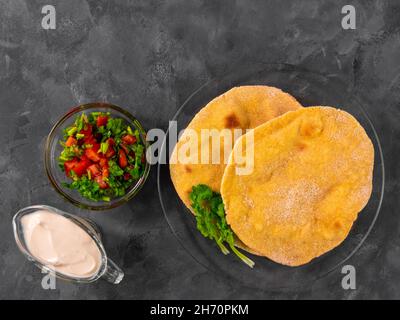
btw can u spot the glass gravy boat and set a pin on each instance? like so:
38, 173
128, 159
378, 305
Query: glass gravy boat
108, 269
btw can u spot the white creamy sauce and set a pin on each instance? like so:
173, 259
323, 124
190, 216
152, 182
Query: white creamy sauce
60, 244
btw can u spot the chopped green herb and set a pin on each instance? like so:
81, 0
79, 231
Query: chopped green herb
103, 147
211, 221
115, 170
129, 129
71, 131
80, 122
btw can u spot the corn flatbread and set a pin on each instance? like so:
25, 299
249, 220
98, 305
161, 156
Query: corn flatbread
242, 107
312, 176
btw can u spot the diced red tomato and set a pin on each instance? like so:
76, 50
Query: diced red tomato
87, 131
105, 172
122, 160
110, 152
129, 139
94, 170
81, 167
90, 140
110, 141
92, 154
124, 146
127, 176
102, 184
83, 157
143, 159
103, 162
101, 121
71, 141
69, 165
96, 147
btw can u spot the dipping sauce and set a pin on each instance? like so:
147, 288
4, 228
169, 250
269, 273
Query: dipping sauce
60, 244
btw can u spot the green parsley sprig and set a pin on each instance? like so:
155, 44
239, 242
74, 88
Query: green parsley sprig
211, 221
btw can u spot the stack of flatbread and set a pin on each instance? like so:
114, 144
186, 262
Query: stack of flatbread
311, 171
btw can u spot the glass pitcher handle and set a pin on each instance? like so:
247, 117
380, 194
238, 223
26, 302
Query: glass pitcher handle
113, 273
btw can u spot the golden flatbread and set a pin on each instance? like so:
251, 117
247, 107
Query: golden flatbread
312, 176
239, 108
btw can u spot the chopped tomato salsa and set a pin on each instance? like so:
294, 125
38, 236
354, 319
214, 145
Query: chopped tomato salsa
102, 156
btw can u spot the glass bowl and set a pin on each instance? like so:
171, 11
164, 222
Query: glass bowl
309, 88
53, 150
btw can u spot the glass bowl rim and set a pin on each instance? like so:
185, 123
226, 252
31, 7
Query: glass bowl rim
47, 156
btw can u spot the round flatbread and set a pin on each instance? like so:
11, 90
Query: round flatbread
244, 107
312, 175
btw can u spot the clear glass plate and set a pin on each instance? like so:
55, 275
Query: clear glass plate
310, 89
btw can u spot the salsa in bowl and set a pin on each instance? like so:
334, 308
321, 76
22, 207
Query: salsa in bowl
95, 156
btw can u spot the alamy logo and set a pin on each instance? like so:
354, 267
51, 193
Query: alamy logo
349, 20
207, 146
49, 20
349, 280
49, 280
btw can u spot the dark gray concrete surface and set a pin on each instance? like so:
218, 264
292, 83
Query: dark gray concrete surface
149, 56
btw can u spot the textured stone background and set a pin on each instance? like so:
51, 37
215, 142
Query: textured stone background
150, 56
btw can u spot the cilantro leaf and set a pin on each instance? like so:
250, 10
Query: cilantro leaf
88, 189
115, 169
211, 221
